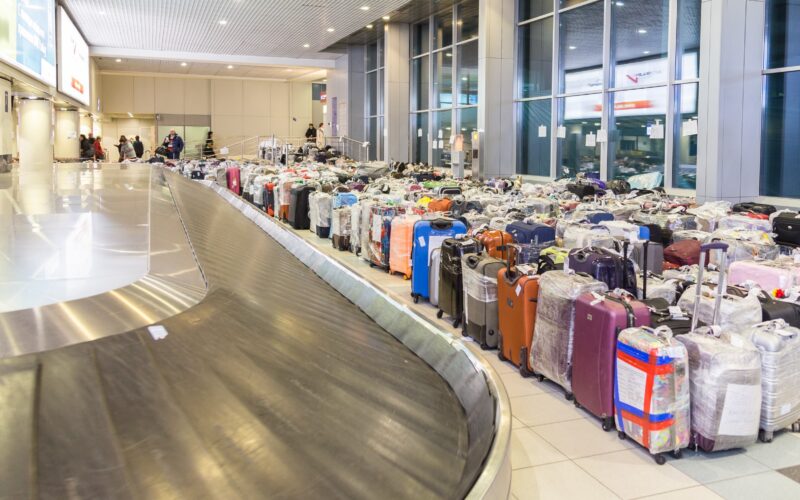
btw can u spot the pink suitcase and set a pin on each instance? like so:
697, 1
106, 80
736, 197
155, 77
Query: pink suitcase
768, 274
598, 321
233, 174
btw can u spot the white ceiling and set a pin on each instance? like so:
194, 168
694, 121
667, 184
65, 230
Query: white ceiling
209, 69
260, 28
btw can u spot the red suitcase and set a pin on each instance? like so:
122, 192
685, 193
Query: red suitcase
598, 321
233, 175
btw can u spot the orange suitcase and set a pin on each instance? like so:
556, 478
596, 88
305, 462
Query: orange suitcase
400, 243
440, 205
517, 294
492, 240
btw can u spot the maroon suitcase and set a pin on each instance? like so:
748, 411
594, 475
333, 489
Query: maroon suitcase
683, 253
598, 321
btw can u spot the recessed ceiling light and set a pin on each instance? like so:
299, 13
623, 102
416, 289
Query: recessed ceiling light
230, 66
330, 30
620, 4
183, 64
325, 80
365, 7
369, 26
119, 60
641, 31
646, 52
102, 13
572, 47
223, 22
289, 70
305, 45
386, 18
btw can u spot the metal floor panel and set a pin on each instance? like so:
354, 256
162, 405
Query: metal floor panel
273, 386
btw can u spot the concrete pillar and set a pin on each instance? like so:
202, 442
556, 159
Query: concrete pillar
6, 125
35, 139
356, 119
496, 31
729, 139
396, 100
67, 145
86, 125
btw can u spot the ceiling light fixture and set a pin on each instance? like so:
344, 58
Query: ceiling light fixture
365, 7
386, 18
184, 64
449, 54
572, 47
369, 26
230, 66
330, 30
646, 52
641, 31
305, 45
119, 60
223, 22
620, 4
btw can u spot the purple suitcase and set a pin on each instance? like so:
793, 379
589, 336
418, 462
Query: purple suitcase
603, 265
598, 321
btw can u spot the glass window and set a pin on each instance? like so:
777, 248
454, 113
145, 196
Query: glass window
467, 20
688, 39
636, 136
442, 130
580, 116
780, 147
533, 151
419, 141
783, 33
372, 56
380, 85
420, 74
380, 53
420, 39
467, 124
581, 44
536, 58
563, 4
443, 26
684, 150
640, 42
372, 93
443, 79
468, 74
529, 9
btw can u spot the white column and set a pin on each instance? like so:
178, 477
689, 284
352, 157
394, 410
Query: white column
67, 145
497, 28
396, 100
35, 140
6, 125
729, 140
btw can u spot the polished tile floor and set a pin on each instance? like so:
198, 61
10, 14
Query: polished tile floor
560, 452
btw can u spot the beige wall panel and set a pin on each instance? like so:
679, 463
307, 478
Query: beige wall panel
255, 125
279, 99
197, 97
279, 126
255, 98
301, 99
169, 95
227, 97
117, 94
144, 95
227, 128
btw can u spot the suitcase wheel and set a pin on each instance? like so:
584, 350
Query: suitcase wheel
456, 322
416, 298
660, 459
577, 405
621, 435
540, 378
678, 454
439, 314
523, 363
500, 348
569, 396
764, 436
608, 424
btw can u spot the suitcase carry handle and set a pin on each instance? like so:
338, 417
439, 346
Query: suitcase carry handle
441, 224
705, 250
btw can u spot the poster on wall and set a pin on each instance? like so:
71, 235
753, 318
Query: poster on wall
73, 60
28, 37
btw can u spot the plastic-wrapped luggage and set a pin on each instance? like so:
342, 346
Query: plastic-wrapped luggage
355, 228
344, 200
365, 228
735, 311
479, 274
736, 221
434, 271
623, 230
341, 228
768, 274
746, 244
320, 213
380, 234
651, 391
551, 351
402, 238
581, 236
779, 346
690, 234
451, 284
429, 235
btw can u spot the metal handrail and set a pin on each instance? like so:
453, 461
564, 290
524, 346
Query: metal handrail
251, 148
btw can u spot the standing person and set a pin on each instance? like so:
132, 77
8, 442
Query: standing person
99, 153
311, 133
126, 151
138, 147
85, 146
174, 145
321, 135
208, 148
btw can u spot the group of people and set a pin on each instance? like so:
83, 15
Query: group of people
92, 148
316, 135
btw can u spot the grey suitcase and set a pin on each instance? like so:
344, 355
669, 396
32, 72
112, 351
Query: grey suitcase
433, 276
479, 274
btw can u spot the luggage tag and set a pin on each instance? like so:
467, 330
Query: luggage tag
676, 312
597, 298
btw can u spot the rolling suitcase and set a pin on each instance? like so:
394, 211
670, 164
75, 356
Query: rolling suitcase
428, 235
322, 208
603, 265
344, 200
683, 253
517, 295
786, 227
198, 175
400, 245
551, 349
768, 274
598, 321
479, 273
531, 233
298, 207
725, 376
654, 261
269, 198
340, 228
451, 284
365, 228
380, 233
582, 236
433, 276
492, 240
233, 177
651, 391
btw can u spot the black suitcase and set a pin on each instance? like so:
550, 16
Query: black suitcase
582, 190
756, 208
298, 207
773, 309
198, 175
787, 229
451, 287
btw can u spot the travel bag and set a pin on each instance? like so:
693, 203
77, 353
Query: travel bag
402, 237
551, 349
479, 273
616, 271
746, 244
451, 285
651, 391
433, 276
523, 232
758, 208
786, 227
380, 234
582, 236
341, 228
767, 274
492, 240
321, 204
517, 295
428, 235
683, 253
724, 373
599, 318
234, 181
299, 207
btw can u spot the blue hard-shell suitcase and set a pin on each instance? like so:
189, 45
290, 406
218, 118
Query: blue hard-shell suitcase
531, 233
429, 234
599, 216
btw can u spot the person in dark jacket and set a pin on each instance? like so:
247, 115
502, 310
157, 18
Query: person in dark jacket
208, 148
311, 133
138, 147
174, 145
86, 148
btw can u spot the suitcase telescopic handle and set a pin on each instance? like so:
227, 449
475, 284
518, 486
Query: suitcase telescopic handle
705, 250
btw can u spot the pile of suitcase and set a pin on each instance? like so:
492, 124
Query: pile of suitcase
674, 323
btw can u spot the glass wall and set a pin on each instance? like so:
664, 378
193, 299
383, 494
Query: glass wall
444, 82
780, 139
374, 76
603, 89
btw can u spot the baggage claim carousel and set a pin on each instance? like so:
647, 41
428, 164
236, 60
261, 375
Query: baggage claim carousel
265, 381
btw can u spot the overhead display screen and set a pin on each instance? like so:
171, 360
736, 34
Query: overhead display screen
28, 37
73, 60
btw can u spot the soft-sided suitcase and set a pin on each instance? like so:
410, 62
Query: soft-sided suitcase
198, 175
433, 276
298, 207
651, 391
757, 208
531, 233
598, 321
479, 273
517, 295
451, 284
551, 350
683, 253
786, 227
321, 207
492, 240
428, 235
442, 205
725, 375
233, 177
400, 245
603, 265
